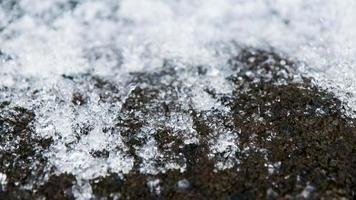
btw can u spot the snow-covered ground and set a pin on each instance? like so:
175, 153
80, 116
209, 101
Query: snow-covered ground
40, 41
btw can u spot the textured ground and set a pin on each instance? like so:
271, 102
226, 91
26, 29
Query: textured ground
281, 138
188, 99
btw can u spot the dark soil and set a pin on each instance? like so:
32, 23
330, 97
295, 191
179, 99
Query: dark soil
294, 140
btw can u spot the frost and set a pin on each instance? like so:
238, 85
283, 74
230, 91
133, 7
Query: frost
154, 187
273, 167
75, 64
149, 153
3, 181
183, 184
307, 191
226, 145
82, 191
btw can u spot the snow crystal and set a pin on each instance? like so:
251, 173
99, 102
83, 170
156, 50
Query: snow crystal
48, 48
273, 167
82, 191
183, 184
154, 187
226, 144
3, 180
308, 190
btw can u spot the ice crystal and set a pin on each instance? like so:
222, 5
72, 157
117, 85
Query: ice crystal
78, 66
